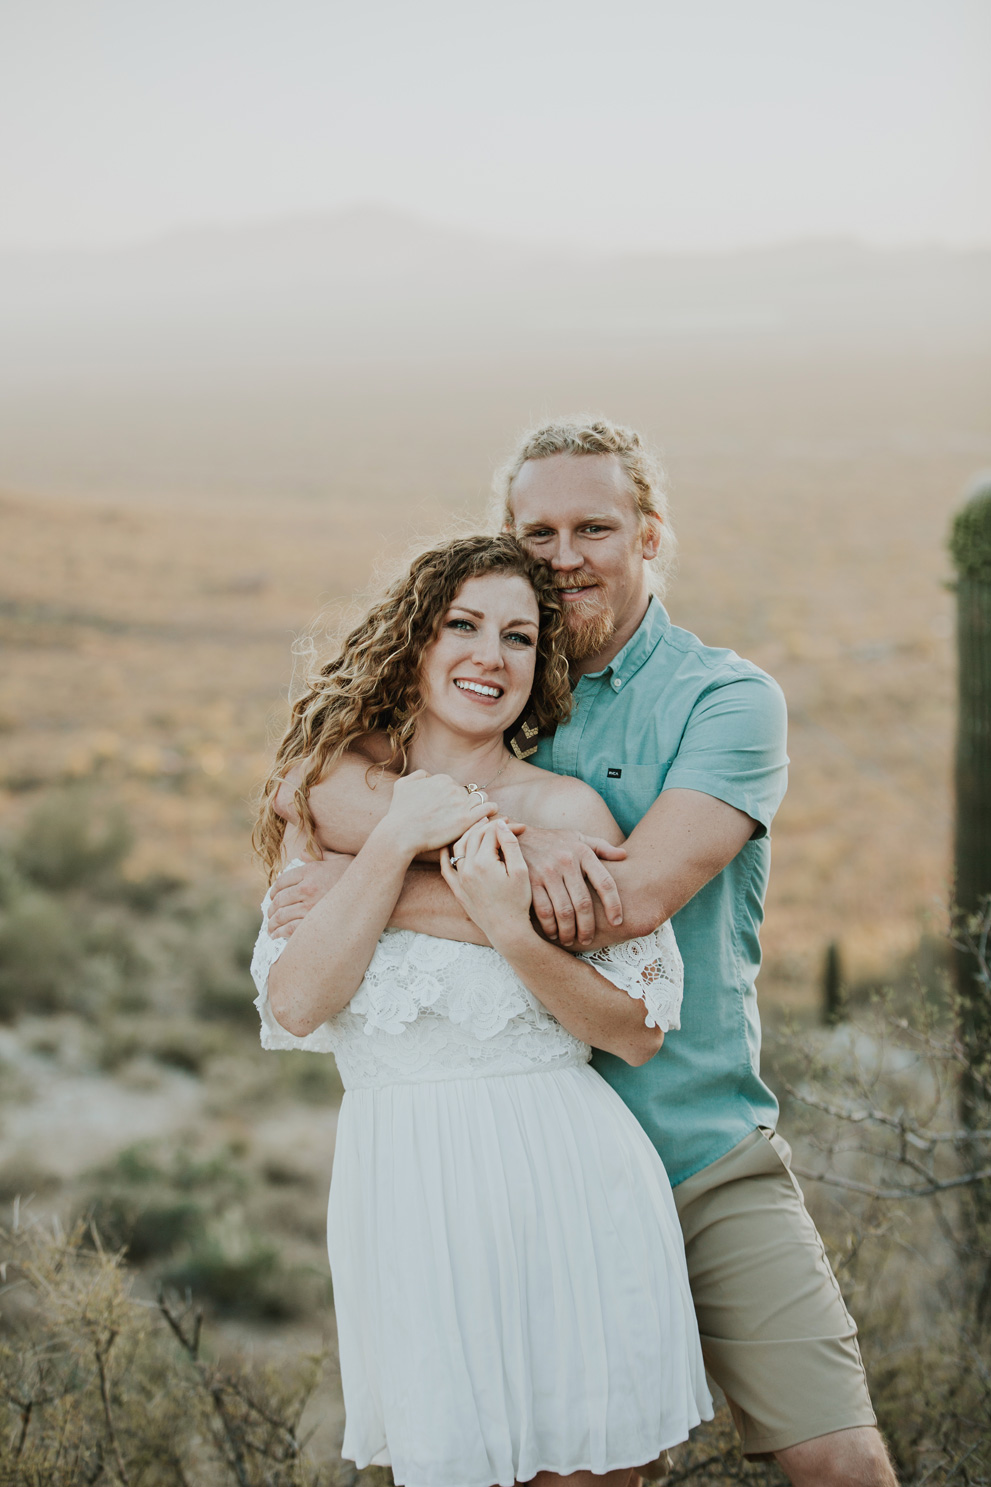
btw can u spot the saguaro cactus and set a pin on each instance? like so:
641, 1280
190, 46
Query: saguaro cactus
832, 986
970, 545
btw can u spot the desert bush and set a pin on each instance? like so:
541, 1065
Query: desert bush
39, 955
183, 1217
900, 1191
177, 1042
73, 840
310, 1078
22, 1177
11, 883
98, 1386
221, 960
237, 1273
76, 935
150, 894
148, 1203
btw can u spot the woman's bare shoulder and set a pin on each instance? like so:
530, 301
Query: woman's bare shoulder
561, 801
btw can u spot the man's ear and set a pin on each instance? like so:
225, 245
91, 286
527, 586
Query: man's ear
651, 535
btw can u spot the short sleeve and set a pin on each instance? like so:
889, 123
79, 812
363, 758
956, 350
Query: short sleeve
650, 969
266, 952
734, 747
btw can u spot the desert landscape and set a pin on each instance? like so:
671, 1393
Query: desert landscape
214, 447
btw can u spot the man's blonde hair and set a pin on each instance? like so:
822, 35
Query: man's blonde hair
586, 434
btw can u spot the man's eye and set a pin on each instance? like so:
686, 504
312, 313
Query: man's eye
594, 527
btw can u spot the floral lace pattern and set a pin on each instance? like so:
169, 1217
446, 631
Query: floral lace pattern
438, 1009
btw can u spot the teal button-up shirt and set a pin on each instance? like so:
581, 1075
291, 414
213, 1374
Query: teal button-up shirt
671, 713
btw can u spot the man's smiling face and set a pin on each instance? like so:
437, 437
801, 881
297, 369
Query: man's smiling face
576, 513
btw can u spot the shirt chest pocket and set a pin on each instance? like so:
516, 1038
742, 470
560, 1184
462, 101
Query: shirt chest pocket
631, 789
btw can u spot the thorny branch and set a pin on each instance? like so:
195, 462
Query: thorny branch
190, 1345
913, 1190
102, 1354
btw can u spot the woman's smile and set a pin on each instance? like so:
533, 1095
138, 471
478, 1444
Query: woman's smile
485, 651
482, 690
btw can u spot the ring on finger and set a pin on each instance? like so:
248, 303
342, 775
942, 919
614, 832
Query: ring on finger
474, 790
455, 860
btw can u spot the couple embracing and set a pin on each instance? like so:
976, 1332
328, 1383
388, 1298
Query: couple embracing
545, 1228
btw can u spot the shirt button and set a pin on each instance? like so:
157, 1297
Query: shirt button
617, 684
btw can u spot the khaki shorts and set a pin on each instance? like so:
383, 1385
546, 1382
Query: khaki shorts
776, 1335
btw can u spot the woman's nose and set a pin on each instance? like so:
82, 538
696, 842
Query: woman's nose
487, 651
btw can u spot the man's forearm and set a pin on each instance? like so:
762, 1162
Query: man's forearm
684, 840
427, 905
346, 805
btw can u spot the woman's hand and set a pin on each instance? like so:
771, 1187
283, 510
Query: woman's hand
430, 810
491, 882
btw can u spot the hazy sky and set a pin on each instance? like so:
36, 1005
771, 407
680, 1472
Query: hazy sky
619, 123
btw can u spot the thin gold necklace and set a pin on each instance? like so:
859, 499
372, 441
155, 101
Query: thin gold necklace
472, 786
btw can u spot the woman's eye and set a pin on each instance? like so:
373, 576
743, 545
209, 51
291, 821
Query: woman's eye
516, 638
459, 625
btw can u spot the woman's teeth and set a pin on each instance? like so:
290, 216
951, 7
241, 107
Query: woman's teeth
480, 688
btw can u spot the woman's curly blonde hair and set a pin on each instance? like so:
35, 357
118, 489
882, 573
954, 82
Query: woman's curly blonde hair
373, 686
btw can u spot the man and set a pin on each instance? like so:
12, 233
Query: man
686, 745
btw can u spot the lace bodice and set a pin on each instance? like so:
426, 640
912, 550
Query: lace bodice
431, 1009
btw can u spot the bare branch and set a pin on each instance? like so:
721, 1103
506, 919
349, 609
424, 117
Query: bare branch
102, 1354
190, 1346
908, 1190
910, 1130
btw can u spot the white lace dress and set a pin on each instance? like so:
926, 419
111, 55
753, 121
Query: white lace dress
509, 1276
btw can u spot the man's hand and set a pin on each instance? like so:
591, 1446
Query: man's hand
297, 889
565, 867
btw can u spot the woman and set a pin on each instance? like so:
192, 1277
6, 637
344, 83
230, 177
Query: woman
511, 1295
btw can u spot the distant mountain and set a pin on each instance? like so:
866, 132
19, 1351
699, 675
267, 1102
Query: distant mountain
274, 356
373, 273
359, 242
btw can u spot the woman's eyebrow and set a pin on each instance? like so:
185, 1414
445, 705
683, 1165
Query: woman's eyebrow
479, 614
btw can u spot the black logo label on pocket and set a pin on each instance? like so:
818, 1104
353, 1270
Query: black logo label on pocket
614, 774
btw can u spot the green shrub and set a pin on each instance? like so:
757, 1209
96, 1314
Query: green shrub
147, 1229
39, 956
311, 1078
227, 999
150, 894
21, 1177
151, 1205
221, 956
98, 1387
11, 883
236, 1273
177, 1042
72, 840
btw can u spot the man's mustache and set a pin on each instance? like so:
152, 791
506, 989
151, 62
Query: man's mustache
580, 580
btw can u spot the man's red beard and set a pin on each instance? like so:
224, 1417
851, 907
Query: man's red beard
589, 623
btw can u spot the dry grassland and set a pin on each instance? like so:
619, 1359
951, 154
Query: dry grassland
147, 637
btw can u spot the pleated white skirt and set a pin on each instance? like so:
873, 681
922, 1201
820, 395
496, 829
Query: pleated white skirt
509, 1281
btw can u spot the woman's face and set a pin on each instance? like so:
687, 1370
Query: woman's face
477, 675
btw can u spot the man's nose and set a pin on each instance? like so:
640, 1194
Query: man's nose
565, 558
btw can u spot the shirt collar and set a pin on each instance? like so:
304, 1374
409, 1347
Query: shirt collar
640, 646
